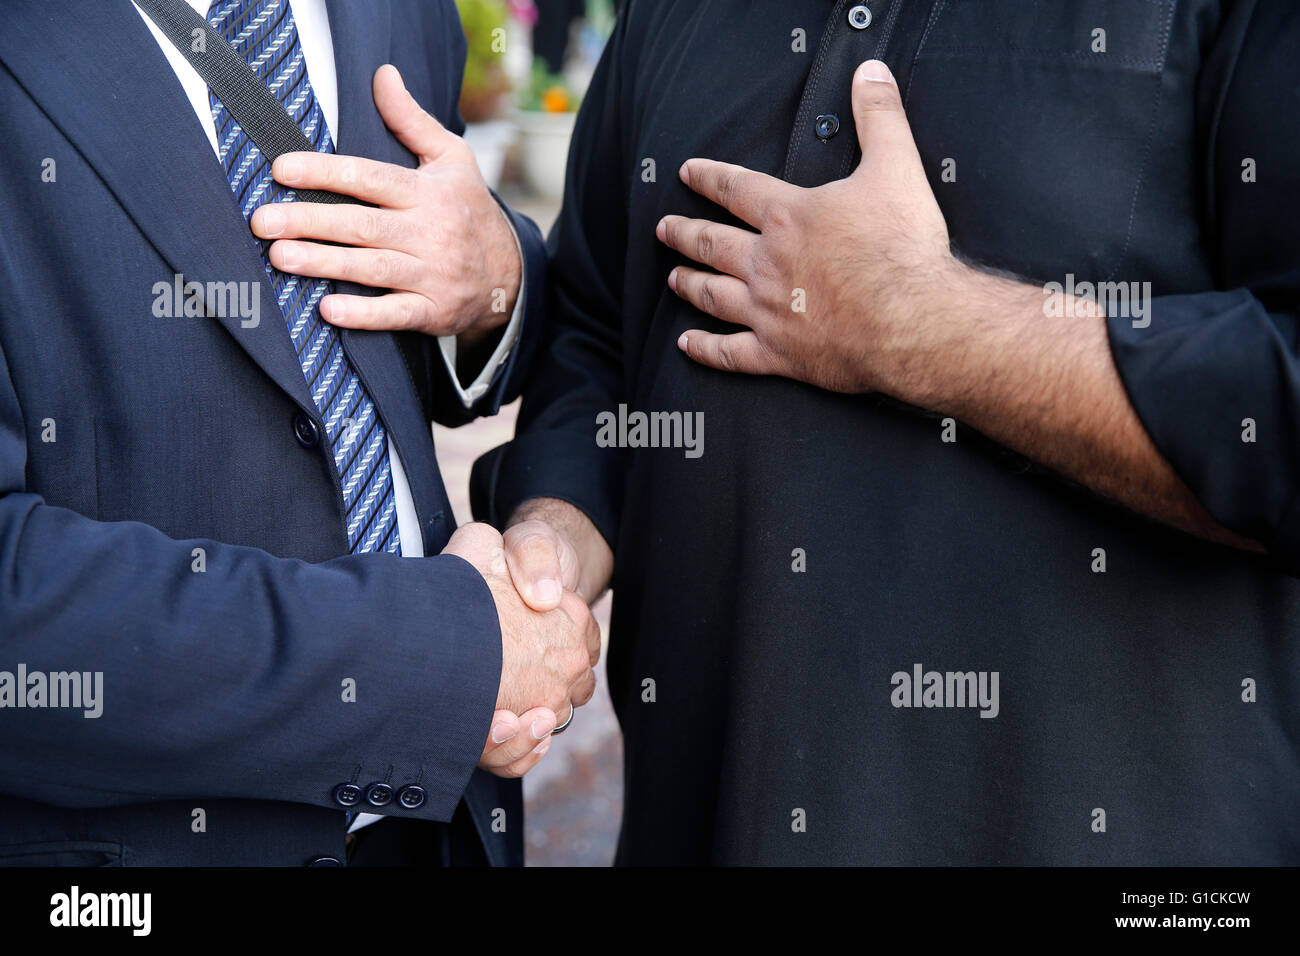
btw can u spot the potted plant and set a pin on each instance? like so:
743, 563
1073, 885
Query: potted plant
545, 119
485, 85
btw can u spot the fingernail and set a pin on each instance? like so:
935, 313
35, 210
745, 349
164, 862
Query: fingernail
672, 280
503, 732
661, 230
290, 169
685, 173
334, 305
290, 256
681, 342
876, 71
547, 590
270, 221
541, 728
544, 746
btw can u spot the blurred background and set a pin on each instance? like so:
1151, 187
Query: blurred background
528, 65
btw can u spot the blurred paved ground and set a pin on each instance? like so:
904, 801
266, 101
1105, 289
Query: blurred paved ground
574, 797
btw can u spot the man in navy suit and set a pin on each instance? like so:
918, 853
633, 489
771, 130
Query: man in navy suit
227, 632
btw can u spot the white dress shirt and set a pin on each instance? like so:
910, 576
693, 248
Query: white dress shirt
318, 57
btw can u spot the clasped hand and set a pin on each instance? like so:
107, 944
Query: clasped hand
550, 643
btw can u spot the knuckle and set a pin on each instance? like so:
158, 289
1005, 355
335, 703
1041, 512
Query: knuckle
515, 750
370, 227
578, 611
464, 303
578, 664
678, 235
478, 533
440, 193
435, 315
558, 697
346, 172
531, 528
408, 313
708, 294
774, 215
728, 185
375, 178
387, 269
704, 245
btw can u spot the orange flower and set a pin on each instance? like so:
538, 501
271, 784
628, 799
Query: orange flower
555, 100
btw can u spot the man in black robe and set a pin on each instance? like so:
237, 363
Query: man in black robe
988, 557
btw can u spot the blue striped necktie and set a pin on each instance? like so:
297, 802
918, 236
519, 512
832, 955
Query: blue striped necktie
264, 33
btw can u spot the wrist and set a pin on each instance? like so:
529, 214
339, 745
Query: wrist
496, 314
506, 262
928, 334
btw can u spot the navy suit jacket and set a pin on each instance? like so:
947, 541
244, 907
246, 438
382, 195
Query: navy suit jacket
129, 442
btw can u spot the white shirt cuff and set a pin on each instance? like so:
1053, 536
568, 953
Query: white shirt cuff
447, 343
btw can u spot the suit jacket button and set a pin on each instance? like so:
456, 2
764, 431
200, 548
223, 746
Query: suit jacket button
305, 430
412, 797
379, 794
347, 794
326, 861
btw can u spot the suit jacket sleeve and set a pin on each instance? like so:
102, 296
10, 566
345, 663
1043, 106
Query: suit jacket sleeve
447, 408
233, 679
578, 373
1215, 377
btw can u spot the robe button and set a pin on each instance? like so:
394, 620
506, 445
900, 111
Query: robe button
860, 17
827, 126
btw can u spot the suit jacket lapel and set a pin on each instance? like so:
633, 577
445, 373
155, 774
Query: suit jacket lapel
120, 104
361, 36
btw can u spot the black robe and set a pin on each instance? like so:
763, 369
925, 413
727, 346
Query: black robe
1146, 713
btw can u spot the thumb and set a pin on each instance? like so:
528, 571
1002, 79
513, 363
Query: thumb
535, 555
878, 113
418, 130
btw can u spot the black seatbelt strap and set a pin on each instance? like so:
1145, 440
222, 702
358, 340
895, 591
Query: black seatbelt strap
236, 84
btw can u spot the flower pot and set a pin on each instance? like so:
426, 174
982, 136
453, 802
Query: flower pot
490, 141
544, 150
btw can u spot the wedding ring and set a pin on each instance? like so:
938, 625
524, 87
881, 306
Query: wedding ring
560, 729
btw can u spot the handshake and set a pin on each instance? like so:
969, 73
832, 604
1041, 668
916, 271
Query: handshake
550, 643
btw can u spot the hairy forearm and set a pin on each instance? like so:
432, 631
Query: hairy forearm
1046, 387
595, 558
